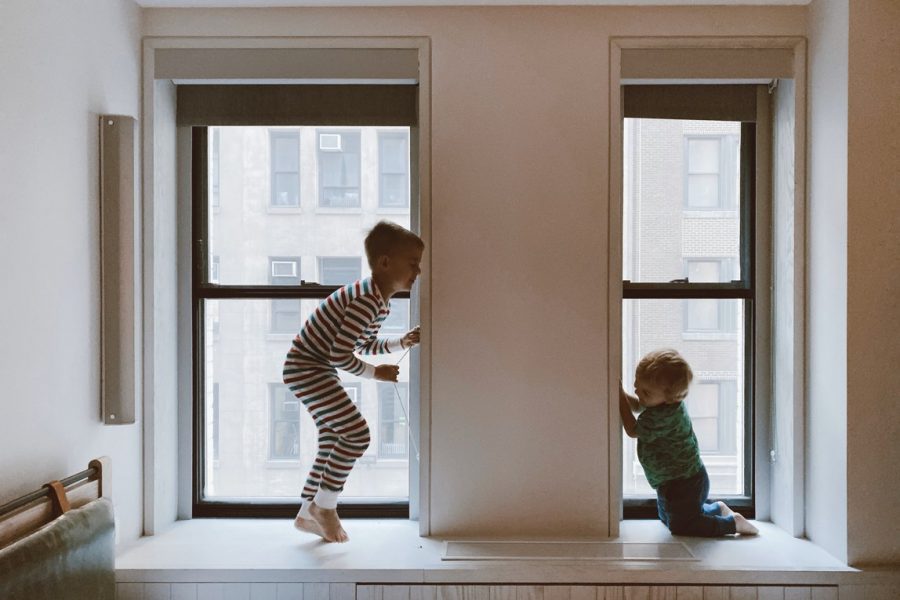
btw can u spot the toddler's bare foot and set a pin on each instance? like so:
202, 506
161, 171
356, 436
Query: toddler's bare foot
327, 519
309, 526
743, 526
724, 509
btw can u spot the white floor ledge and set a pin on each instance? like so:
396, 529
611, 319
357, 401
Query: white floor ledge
391, 551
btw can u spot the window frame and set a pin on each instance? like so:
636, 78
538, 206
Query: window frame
202, 290
743, 289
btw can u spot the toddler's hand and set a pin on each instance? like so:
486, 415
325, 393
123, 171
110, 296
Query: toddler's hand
387, 372
411, 338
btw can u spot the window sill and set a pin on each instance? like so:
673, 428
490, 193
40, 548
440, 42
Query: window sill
391, 551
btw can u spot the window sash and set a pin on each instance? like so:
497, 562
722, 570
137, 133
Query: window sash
635, 507
203, 289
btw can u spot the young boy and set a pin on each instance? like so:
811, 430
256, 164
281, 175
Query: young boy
668, 449
346, 322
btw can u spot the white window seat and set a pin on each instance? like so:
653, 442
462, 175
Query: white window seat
268, 551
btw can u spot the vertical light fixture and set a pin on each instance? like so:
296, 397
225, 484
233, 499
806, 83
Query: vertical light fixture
119, 272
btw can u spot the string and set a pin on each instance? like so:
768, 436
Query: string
405, 413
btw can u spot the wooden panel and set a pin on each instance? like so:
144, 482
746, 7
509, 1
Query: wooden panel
340, 591
502, 592
797, 593
715, 593
265, 591
557, 592
420, 592
129, 591
184, 591
157, 591
742, 592
369, 592
316, 591
610, 592
686, 592
637, 592
236, 591
663, 592
209, 591
770, 592
824, 593
582, 592
289, 591
529, 592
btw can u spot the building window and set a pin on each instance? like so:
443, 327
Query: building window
709, 315
339, 169
711, 181
392, 426
688, 285
214, 168
285, 270
215, 421
393, 169
339, 270
285, 165
397, 322
284, 423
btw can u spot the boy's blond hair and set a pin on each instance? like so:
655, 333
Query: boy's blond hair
385, 238
667, 369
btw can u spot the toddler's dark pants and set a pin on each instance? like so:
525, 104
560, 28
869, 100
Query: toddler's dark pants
684, 508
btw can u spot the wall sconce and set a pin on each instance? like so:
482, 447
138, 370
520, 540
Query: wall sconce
120, 320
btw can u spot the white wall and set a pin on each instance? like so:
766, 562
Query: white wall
62, 64
826, 447
873, 296
520, 154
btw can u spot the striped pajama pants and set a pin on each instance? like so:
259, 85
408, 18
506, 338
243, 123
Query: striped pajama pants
343, 432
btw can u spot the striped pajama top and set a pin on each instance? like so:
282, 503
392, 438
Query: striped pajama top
347, 322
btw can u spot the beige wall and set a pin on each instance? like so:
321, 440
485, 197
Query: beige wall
826, 277
518, 242
63, 64
873, 281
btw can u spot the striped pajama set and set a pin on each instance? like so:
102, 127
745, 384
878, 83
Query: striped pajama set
346, 322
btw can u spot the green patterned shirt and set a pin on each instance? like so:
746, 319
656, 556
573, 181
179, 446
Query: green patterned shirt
667, 446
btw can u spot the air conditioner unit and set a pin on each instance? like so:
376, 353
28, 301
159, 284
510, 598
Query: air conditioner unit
330, 142
284, 268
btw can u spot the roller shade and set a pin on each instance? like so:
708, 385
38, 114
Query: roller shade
707, 63
384, 105
700, 102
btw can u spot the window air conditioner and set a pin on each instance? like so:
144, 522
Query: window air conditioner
330, 141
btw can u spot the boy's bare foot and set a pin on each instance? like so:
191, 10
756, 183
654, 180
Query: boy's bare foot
724, 509
327, 519
309, 526
743, 526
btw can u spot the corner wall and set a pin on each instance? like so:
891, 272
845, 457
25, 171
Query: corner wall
873, 285
63, 64
826, 377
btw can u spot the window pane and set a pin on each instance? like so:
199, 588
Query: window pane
393, 157
677, 206
715, 401
339, 168
266, 440
339, 270
254, 224
397, 322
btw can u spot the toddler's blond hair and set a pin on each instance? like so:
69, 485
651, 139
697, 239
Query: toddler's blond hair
667, 369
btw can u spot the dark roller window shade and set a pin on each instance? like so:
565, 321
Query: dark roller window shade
376, 105
696, 102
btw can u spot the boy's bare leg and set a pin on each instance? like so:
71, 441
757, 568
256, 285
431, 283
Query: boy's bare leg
327, 519
743, 526
309, 526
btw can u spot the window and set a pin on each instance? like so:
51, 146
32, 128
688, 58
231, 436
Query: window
397, 322
285, 165
711, 181
393, 169
709, 315
392, 426
339, 270
689, 283
284, 423
285, 312
265, 440
339, 169
214, 169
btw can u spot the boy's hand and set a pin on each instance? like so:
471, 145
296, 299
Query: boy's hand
411, 338
387, 372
